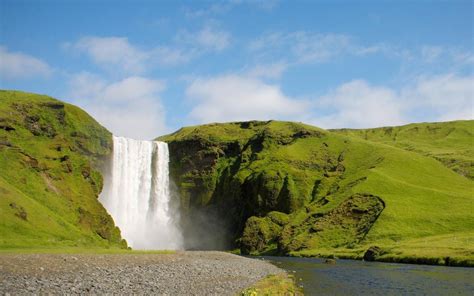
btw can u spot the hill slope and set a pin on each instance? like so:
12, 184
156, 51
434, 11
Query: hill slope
266, 187
449, 142
49, 183
288, 188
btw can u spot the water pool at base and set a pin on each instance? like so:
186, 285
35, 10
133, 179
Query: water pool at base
352, 277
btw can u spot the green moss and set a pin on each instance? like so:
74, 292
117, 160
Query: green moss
343, 226
260, 236
50, 154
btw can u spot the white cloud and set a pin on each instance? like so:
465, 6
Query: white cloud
307, 47
19, 65
267, 41
464, 58
369, 50
118, 56
357, 104
449, 56
303, 47
212, 38
448, 97
272, 71
130, 107
237, 98
319, 47
165, 55
266, 5
214, 9
113, 53
223, 7
208, 38
430, 53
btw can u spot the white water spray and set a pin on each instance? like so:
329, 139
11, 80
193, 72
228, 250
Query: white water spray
137, 194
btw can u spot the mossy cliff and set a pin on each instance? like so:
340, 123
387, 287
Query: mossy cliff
50, 153
288, 188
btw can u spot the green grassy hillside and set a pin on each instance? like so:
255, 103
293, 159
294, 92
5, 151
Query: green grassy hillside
49, 183
288, 188
448, 142
405, 193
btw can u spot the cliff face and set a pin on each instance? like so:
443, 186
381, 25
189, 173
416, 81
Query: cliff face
288, 188
228, 173
50, 153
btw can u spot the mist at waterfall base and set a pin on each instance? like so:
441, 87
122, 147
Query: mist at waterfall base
207, 228
137, 195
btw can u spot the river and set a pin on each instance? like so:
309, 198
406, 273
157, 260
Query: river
351, 277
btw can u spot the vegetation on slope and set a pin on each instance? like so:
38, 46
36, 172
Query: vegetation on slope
49, 180
288, 188
449, 142
266, 187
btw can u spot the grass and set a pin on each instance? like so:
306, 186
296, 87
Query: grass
279, 284
429, 250
50, 153
422, 200
449, 142
83, 250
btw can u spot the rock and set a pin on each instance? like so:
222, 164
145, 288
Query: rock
372, 253
7, 127
330, 261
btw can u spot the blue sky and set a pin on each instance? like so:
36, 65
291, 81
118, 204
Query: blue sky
145, 68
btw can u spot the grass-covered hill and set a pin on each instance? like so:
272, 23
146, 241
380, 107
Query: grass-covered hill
49, 183
288, 188
405, 193
448, 142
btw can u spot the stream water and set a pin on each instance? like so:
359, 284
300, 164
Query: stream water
351, 277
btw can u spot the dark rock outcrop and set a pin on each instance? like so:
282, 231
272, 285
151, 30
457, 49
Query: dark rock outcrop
372, 253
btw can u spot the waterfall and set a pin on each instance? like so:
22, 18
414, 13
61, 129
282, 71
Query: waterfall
137, 194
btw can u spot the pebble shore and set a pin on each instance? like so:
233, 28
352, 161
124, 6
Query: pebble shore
180, 273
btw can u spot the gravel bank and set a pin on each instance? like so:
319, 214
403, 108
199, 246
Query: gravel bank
182, 273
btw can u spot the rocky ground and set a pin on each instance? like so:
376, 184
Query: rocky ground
181, 273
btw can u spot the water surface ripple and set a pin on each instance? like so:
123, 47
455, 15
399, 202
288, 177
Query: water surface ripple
351, 277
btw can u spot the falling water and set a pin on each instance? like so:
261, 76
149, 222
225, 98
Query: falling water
137, 194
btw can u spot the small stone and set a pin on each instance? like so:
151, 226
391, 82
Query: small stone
372, 253
330, 261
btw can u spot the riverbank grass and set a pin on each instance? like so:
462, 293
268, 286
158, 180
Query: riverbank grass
83, 251
279, 284
456, 249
